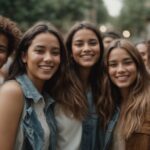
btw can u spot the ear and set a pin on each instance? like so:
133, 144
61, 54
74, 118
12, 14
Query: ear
24, 57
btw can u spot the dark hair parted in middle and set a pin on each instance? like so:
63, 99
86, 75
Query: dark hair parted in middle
39, 28
77, 104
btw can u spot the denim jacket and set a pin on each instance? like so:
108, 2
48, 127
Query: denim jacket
90, 124
110, 129
30, 134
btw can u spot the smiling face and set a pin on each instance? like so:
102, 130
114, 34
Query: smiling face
3, 49
85, 48
42, 58
122, 69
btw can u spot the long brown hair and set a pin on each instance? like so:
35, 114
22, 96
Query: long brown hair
18, 65
138, 98
74, 99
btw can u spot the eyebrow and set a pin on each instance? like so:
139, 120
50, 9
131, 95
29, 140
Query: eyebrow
42, 46
79, 40
129, 58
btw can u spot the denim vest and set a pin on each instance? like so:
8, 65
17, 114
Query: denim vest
90, 124
110, 129
30, 126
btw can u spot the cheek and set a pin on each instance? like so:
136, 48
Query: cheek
3, 57
57, 60
75, 50
74, 54
111, 73
98, 53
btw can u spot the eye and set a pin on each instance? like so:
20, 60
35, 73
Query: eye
130, 61
39, 50
112, 65
3, 50
93, 42
55, 52
78, 44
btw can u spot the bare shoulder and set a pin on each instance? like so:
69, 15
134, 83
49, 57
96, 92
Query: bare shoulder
11, 94
11, 87
11, 107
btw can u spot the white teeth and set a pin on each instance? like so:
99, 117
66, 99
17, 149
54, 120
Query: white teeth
86, 56
122, 78
46, 67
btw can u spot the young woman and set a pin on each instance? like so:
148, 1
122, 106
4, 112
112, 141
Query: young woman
127, 85
10, 35
76, 113
26, 108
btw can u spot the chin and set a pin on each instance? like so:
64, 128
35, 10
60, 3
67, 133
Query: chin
89, 65
46, 77
123, 86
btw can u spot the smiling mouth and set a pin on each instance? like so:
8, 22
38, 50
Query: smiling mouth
122, 78
48, 68
87, 56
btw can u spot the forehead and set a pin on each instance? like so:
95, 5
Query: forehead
141, 47
85, 34
118, 54
45, 38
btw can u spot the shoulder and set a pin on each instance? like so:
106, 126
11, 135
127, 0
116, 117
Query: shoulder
11, 87
11, 94
11, 107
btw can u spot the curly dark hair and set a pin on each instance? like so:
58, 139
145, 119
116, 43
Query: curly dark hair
12, 32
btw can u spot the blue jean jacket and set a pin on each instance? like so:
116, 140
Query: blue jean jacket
90, 126
110, 129
33, 134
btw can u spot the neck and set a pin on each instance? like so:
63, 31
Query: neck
124, 94
37, 83
84, 76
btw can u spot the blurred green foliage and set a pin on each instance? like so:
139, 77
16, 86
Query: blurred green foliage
61, 13
134, 16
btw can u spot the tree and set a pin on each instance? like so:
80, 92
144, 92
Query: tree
61, 13
133, 16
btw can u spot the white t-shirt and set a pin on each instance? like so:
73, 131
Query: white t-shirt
69, 131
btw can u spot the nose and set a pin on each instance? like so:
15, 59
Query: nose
47, 57
120, 68
86, 47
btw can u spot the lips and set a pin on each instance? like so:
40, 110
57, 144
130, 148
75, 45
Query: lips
87, 56
46, 67
122, 78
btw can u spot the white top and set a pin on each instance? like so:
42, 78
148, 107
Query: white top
39, 109
69, 131
118, 142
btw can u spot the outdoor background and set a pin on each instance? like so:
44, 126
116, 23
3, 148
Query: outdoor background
129, 17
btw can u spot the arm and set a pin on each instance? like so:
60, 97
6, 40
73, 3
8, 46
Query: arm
11, 106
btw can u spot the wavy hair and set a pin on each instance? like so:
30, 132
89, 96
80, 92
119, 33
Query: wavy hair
11, 30
138, 98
